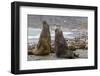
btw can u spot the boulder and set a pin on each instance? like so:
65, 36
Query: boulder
44, 43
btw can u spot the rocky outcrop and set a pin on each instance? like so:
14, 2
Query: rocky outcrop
44, 43
61, 47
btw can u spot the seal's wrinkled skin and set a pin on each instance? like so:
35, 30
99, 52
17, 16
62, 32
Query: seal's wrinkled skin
61, 47
44, 44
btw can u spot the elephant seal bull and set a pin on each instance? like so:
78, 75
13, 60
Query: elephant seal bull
44, 43
61, 47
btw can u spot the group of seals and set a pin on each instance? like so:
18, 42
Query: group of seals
44, 43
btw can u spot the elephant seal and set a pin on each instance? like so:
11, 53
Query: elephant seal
44, 43
61, 46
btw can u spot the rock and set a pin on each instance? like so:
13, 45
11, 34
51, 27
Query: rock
30, 47
61, 47
72, 47
86, 47
44, 43
30, 52
52, 50
52, 47
81, 44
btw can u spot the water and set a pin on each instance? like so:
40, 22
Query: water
34, 34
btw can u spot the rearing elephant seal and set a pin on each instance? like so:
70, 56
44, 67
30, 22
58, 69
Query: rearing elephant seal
61, 47
44, 44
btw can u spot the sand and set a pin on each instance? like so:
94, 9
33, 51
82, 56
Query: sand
82, 55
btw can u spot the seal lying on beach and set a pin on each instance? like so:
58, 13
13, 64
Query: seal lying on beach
61, 47
44, 44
